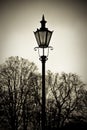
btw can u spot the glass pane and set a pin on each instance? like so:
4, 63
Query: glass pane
48, 37
42, 35
37, 37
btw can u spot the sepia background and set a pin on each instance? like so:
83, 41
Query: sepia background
68, 20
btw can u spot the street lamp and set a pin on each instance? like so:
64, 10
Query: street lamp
43, 36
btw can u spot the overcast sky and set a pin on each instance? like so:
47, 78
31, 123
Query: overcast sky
18, 20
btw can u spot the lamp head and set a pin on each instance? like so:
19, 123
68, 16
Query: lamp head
43, 35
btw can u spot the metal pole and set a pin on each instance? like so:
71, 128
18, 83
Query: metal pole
43, 59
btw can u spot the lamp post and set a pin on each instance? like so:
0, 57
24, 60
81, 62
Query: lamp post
43, 36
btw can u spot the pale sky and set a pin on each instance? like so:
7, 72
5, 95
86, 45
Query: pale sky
68, 20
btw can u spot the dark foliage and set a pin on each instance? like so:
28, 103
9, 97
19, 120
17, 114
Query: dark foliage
20, 98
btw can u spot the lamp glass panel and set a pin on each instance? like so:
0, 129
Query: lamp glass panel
42, 35
48, 37
37, 37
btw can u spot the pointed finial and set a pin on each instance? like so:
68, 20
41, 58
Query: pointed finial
43, 18
43, 22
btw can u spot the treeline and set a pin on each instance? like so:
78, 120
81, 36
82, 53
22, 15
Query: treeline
20, 98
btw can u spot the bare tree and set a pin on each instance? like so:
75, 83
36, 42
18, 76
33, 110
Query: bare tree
15, 80
82, 105
63, 95
20, 96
